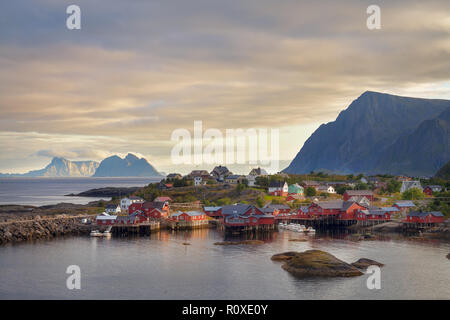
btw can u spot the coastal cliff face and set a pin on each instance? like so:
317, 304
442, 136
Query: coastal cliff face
380, 133
42, 228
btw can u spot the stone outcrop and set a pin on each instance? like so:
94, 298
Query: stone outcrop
316, 263
364, 263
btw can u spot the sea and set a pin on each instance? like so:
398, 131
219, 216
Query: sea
162, 266
47, 191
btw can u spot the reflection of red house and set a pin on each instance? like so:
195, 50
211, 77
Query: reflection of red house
425, 217
155, 209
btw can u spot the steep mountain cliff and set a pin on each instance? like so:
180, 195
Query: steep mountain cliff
130, 166
444, 172
361, 138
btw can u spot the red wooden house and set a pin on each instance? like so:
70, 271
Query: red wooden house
342, 210
373, 215
134, 218
428, 190
280, 208
213, 212
425, 217
155, 209
349, 194
189, 216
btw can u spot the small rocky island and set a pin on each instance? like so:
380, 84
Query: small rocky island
317, 263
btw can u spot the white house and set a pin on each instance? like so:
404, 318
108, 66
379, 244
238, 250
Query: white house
126, 202
326, 189
112, 209
406, 185
198, 181
278, 188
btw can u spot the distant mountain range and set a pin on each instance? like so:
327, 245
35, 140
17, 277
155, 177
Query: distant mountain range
130, 166
380, 133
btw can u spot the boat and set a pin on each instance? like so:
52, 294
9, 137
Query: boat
310, 230
96, 233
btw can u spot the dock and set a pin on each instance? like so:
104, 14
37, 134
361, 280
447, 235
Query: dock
142, 229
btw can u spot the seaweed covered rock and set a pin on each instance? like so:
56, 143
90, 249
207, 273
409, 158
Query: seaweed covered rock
316, 263
364, 263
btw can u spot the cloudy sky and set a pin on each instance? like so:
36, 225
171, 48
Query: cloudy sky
138, 70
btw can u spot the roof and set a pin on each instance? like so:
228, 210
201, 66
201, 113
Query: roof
189, 213
389, 209
335, 204
235, 209
434, 187
425, 214
173, 175
323, 187
220, 170
359, 192
212, 208
154, 204
258, 171
405, 204
105, 217
304, 209
163, 199
233, 176
134, 198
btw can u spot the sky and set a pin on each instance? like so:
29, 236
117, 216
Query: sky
138, 70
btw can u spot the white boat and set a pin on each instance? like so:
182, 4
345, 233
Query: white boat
96, 233
310, 230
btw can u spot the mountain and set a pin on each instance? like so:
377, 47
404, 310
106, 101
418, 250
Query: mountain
130, 166
362, 137
60, 167
444, 172
422, 152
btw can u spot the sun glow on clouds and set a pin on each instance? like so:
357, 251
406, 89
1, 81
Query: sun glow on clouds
134, 74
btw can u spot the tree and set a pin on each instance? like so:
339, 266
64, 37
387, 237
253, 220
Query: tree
310, 192
240, 187
262, 181
393, 186
260, 202
361, 186
412, 194
342, 188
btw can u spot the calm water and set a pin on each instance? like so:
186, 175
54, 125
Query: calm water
44, 191
161, 267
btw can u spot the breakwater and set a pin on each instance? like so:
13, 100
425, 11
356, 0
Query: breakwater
43, 228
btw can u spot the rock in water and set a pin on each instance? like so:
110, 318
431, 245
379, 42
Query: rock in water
316, 263
284, 256
448, 256
363, 263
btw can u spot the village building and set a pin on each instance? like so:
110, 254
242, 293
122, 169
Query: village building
151, 209
213, 212
126, 202
134, 218
337, 209
295, 189
348, 194
174, 176
310, 183
293, 197
373, 215
189, 216
428, 190
112, 209
234, 179
326, 189
163, 199
198, 181
425, 217
404, 205
258, 172
220, 172
105, 219
278, 208
407, 185
164, 186
199, 173
278, 188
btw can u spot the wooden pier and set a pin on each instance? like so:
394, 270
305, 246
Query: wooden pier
188, 225
141, 229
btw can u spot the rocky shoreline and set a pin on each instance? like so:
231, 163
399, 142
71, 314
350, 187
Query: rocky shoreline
107, 192
43, 228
